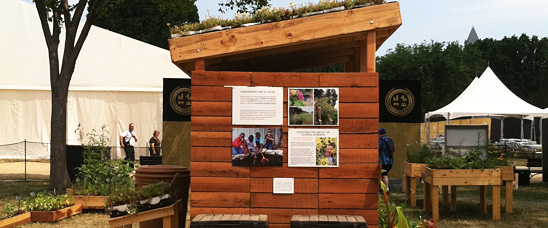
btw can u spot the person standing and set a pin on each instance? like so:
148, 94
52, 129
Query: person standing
127, 142
386, 155
155, 144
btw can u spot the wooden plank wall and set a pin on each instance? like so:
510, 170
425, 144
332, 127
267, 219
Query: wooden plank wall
217, 187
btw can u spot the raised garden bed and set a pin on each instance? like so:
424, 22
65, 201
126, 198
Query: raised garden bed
411, 171
503, 176
88, 202
52, 216
15, 221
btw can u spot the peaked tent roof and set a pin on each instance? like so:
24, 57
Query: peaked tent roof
487, 96
108, 61
472, 37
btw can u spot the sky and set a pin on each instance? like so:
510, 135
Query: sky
444, 20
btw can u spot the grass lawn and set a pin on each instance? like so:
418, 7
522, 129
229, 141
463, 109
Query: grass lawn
530, 208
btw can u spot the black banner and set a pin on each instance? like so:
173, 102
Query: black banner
177, 99
400, 101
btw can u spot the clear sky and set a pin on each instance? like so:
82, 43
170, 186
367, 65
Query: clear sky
445, 20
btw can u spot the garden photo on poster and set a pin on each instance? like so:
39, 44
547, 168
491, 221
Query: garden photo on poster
313, 106
326, 151
313, 148
257, 147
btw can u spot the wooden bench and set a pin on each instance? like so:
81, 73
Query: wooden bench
528, 172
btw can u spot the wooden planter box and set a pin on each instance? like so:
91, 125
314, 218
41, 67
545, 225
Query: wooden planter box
88, 202
496, 178
52, 216
450, 177
411, 171
14, 221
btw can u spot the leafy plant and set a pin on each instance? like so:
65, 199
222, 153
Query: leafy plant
153, 190
418, 153
9, 211
45, 201
387, 214
474, 159
99, 176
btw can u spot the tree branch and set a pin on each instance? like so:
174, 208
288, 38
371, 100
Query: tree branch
80, 8
43, 15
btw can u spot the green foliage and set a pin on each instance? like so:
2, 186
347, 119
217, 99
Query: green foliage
243, 6
9, 211
145, 20
99, 176
329, 115
153, 190
475, 159
418, 153
45, 201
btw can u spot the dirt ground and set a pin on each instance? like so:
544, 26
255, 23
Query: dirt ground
15, 170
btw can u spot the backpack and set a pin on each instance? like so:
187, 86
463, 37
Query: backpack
390, 146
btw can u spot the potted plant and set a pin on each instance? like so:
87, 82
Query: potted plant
46, 207
13, 218
154, 196
121, 202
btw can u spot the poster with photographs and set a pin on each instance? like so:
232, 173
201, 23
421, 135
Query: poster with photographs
313, 148
313, 106
257, 147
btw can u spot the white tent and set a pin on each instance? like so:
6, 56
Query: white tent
487, 96
117, 80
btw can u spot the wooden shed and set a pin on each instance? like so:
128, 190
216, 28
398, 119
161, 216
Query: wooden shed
270, 55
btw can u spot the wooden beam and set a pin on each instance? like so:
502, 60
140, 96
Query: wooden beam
199, 65
362, 56
371, 48
285, 33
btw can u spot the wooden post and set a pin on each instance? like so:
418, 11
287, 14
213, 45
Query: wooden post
371, 48
405, 185
199, 65
445, 195
453, 198
426, 197
496, 202
509, 197
413, 191
435, 202
349, 66
362, 56
483, 199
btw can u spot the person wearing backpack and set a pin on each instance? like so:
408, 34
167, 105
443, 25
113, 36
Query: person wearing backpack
386, 155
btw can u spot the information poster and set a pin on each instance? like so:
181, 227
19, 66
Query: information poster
257, 106
313, 106
283, 186
313, 148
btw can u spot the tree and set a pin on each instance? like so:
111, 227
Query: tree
146, 20
243, 6
61, 14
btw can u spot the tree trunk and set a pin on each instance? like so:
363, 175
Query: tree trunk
59, 178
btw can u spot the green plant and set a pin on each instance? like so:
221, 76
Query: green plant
153, 190
387, 214
476, 158
9, 211
296, 98
45, 201
418, 153
329, 115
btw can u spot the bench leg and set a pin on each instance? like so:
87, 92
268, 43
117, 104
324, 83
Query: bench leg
426, 197
496, 202
509, 197
453, 198
445, 195
435, 202
413, 190
483, 199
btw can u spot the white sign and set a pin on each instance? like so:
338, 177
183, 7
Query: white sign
257, 106
313, 148
283, 186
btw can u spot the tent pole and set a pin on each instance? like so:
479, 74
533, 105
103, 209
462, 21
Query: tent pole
532, 128
501, 128
521, 117
540, 127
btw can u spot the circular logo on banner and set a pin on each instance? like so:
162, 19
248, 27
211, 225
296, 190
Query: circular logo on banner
399, 102
180, 100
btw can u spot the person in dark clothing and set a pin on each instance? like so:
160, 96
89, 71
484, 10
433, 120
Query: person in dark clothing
386, 159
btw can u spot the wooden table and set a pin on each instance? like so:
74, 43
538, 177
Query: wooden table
451, 178
411, 173
169, 215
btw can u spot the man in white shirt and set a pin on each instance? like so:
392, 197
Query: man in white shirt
127, 142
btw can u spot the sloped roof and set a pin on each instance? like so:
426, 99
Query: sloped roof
472, 37
487, 96
108, 61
